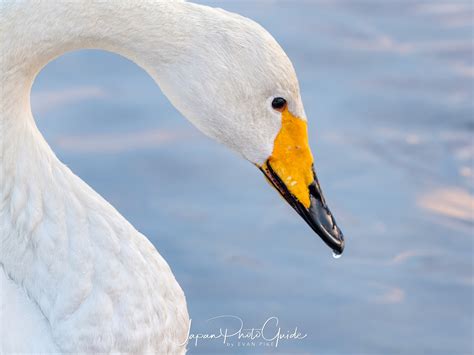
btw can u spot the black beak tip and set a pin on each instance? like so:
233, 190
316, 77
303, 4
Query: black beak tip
317, 215
338, 245
331, 235
323, 223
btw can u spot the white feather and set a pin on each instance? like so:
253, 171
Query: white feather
75, 275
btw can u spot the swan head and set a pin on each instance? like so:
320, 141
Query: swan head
233, 81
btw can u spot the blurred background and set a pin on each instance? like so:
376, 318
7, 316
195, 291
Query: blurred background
388, 90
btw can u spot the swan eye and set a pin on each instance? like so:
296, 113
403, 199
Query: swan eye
279, 103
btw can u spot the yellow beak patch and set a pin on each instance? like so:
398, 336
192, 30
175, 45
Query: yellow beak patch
291, 158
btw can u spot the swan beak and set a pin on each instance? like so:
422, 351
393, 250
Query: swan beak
290, 171
317, 215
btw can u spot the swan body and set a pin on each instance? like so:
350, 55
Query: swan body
75, 276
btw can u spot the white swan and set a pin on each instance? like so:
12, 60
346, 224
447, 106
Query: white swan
75, 275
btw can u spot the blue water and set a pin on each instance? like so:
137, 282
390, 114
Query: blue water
388, 89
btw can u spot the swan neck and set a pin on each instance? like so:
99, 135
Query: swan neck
41, 31
59, 239
148, 33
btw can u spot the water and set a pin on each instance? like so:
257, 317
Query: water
387, 87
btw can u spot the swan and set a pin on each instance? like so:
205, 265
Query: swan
77, 277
